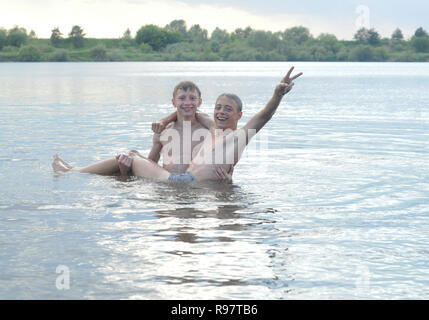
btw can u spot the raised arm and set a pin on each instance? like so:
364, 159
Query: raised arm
262, 117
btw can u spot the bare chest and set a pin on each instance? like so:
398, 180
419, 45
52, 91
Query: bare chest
179, 143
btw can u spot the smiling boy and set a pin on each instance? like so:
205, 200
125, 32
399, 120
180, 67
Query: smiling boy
224, 139
175, 144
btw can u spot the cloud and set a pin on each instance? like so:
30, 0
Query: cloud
110, 18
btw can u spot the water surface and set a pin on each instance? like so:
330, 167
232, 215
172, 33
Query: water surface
331, 200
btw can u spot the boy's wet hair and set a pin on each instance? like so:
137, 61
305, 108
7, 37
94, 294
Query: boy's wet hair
185, 86
235, 98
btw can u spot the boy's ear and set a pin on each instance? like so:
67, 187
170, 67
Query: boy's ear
173, 102
239, 115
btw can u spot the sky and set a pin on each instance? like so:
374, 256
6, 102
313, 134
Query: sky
110, 18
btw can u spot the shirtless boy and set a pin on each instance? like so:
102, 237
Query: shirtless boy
174, 143
224, 139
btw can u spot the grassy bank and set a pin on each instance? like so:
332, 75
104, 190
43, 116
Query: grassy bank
177, 43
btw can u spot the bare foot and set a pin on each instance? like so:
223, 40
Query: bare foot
59, 164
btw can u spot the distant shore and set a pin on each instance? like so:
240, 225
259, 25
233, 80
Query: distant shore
177, 43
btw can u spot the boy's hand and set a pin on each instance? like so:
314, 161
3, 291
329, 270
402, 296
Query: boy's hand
222, 174
124, 162
134, 153
286, 84
158, 126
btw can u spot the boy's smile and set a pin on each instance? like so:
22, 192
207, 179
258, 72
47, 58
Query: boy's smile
186, 102
225, 113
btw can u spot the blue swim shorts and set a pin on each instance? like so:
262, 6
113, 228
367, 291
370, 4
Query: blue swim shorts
183, 177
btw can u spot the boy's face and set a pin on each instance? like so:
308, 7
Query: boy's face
186, 102
226, 113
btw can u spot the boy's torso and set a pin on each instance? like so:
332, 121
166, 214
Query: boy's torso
179, 140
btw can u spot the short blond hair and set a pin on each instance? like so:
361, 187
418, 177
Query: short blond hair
185, 86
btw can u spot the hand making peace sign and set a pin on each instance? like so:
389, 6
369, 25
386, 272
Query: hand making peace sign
287, 83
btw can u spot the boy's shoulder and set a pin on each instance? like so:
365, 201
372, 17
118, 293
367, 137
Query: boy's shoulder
180, 128
170, 125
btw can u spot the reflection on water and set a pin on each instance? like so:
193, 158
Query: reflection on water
204, 234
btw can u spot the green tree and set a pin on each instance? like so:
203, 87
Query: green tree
220, 36
397, 35
99, 53
325, 47
369, 36
214, 46
420, 32
265, 40
288, 50
241, 33
380, 54
29, 54
373, 37
321, 53
32, 35
361, 35
362, 53
177, 26
126, 40
296, 35
56, 37
420, 44
343, 54
127, 34
238, 52
76, 36
60, 55
152, 35
3, 38
17, 36
197, 34
329, 42
146, 48
173, 37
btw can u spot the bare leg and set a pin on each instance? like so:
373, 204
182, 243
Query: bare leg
146, 168
141, 167
109, 166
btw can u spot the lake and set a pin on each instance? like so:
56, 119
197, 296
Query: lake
330, 201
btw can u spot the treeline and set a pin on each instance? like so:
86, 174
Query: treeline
177, 42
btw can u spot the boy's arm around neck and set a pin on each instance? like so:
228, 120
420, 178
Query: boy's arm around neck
205, 120
159, 126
